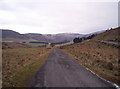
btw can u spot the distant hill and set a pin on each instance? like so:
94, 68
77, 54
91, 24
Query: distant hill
109, 35
63, 37
53, 37
9, 35
12, 34
38, 37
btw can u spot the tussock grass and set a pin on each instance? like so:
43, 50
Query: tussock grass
21, 64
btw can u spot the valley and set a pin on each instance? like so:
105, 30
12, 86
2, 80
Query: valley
24, 59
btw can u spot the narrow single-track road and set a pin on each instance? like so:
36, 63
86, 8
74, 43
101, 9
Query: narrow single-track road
60, 70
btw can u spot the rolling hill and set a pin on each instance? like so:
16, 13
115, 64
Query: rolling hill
9, 35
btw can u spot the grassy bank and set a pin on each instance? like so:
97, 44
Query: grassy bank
101, 58
21, 64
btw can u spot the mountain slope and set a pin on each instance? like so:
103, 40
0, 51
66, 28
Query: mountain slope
101, 58
9, 35
12, 34
109, 35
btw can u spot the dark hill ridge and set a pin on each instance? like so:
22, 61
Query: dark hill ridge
9, 35
13, 34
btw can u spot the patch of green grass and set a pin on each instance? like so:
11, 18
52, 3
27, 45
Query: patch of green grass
36, 44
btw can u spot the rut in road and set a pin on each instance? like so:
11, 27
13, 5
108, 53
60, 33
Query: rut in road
62, 71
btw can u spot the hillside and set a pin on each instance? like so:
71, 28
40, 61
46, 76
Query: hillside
63, 36
109, 35
12, 34
97, 56
100, 58
9, 35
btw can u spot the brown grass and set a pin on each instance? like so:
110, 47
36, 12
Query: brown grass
11, 45
109, 35
20, 65
100, 58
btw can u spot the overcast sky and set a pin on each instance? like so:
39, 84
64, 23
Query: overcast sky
58, 16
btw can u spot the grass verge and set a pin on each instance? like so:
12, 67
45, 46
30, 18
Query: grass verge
25, 75
20, 65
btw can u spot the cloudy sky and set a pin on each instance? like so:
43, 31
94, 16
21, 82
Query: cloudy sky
58, 16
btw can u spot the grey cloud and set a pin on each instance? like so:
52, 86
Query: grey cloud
57, 17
